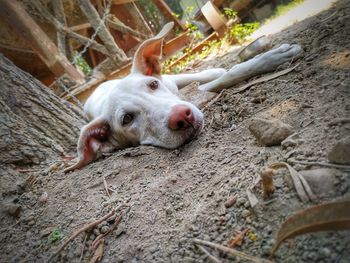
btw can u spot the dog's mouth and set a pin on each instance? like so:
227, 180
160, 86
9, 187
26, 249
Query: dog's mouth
193, 131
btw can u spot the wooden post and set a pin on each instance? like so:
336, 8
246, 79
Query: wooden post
21, 22
166, 11
117, 54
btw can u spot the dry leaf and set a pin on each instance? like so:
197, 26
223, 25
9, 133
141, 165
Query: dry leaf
301, 185
253, 201
237, 239
324, 217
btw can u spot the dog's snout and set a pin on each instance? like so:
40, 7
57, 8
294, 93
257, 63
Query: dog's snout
180, 118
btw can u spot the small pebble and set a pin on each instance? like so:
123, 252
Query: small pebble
96, 232
14, 210
241, 201
245, 213
104, 229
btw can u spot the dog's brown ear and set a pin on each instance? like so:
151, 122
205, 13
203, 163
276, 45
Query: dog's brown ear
92, 136
148, 55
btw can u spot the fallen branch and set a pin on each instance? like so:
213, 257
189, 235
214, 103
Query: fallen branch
231, 251
210, 256
264, 79
339, 166
83, 229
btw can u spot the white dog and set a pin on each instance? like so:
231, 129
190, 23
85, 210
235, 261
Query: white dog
145, 107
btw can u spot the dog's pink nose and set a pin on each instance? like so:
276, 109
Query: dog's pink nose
180, 118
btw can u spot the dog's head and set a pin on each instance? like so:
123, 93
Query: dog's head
142, 108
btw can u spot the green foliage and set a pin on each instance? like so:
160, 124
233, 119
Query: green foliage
176, 7
82, 64
241, 31
230, 13
284, 8
238, 32
56, 235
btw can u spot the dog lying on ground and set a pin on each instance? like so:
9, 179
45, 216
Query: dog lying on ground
145, 108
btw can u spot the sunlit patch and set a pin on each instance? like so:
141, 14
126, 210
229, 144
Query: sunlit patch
281, 109
340, 60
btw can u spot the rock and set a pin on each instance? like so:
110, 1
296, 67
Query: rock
96, 232
47, 231
13, 210
31, 223
291, 141
43, 198
253, 201
269, 132
340, 153
245, 213
104, 229
120, 230
230, 201
241, 201
321, 180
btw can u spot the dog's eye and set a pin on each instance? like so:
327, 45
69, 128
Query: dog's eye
127, 118
153, 85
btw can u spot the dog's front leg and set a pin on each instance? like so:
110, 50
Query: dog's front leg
260, 64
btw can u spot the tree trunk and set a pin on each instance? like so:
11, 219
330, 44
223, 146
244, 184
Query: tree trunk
35, 124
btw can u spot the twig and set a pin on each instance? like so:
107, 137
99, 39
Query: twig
264, 78
210, 256
213, 100
97, 239
339, 166
82, 249
106, 186
83, 229
337, 121
231, 251
98, 254
330, 16
29, 170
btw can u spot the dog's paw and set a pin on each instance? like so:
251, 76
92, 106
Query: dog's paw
276, 57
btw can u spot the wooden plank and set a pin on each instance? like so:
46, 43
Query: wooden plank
80, 27
168, 13
22, 23
176, 44
169, 48
120, 2
197, 48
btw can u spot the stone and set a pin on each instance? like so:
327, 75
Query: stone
104, 229
340, 153
43, 198
291, 141
321, 181
245, 213
13, 210
269, 132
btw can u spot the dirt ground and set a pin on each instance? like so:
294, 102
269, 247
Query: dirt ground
177, 195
